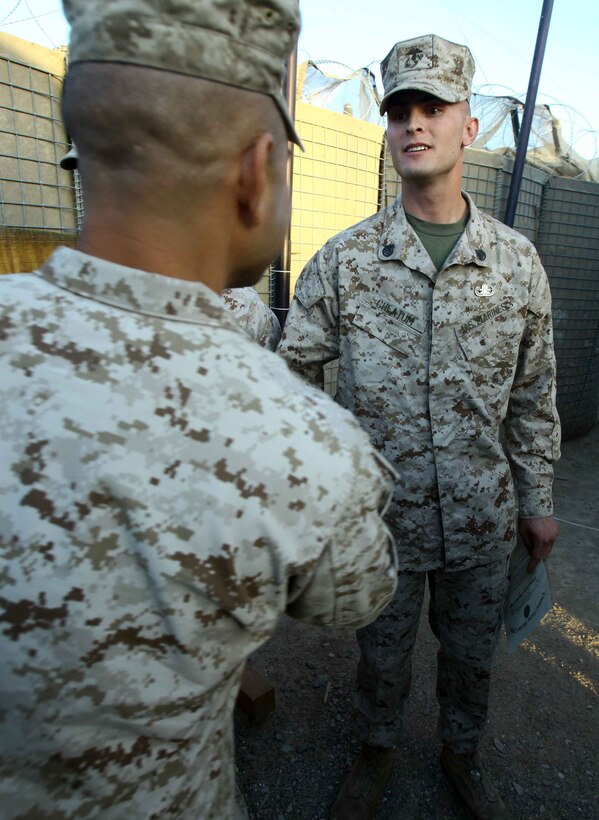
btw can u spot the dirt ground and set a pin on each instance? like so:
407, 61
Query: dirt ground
542, 743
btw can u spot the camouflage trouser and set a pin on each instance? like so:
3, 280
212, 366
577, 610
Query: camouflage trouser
465, 614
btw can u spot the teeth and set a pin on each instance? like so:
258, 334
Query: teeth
417, 148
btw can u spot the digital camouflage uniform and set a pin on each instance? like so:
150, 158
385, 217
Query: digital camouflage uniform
434, 365
256, 318
168, 489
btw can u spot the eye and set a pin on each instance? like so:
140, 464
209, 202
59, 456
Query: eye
396, 115
433, 110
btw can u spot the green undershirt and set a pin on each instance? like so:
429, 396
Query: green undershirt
439, 239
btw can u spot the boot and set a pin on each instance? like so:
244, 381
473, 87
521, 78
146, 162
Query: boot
364, 785
472, 783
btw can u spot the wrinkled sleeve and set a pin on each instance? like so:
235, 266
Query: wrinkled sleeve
311, 333
356, 574
532, 425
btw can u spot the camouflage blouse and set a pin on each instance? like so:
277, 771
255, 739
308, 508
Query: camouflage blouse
452, 374
168, 489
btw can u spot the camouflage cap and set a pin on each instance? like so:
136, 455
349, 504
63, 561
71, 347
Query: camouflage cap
242, 43
430, 63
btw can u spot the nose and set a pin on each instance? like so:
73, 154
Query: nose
413, 122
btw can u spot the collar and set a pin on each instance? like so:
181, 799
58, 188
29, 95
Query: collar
135, 290
399, 241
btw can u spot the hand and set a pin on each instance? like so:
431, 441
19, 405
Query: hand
539, 535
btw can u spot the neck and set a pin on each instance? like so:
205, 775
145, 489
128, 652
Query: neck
156, 245
438, 200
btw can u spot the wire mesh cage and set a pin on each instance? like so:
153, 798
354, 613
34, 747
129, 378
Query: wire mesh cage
37, 198
345, 175
568, 241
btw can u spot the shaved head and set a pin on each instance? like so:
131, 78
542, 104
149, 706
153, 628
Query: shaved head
180, 175
143, 126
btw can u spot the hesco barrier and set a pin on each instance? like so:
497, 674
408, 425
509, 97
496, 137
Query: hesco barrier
568, 241
336, 182
344, 176
37, 198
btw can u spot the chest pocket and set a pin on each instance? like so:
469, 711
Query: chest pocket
493, 343
393, 333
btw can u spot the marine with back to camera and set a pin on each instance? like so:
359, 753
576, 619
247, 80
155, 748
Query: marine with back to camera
168, 487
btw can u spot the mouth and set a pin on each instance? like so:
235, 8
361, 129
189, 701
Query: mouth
416, 148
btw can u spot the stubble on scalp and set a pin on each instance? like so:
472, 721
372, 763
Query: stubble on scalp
131, 122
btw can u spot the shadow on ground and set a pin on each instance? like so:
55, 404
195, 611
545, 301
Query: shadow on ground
542, 744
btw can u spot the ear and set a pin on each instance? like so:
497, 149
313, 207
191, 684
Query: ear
253, 183
470, 131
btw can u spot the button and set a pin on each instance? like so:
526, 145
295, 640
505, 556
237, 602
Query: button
480, 254
388, 250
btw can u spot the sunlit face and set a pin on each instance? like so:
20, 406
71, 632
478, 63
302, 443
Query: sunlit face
426, 136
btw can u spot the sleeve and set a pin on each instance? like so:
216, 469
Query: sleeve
256, 318
311, 334
272, 331
532, 424
356, 575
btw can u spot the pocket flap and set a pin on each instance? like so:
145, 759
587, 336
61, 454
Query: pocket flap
388, 330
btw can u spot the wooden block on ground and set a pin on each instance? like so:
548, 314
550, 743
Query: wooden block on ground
256, 696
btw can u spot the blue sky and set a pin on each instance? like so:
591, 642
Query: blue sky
500, 33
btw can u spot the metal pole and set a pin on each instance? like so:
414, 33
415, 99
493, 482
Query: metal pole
529, 110
281, 267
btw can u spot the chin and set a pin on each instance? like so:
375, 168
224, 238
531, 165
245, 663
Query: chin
416, 169
245, 278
